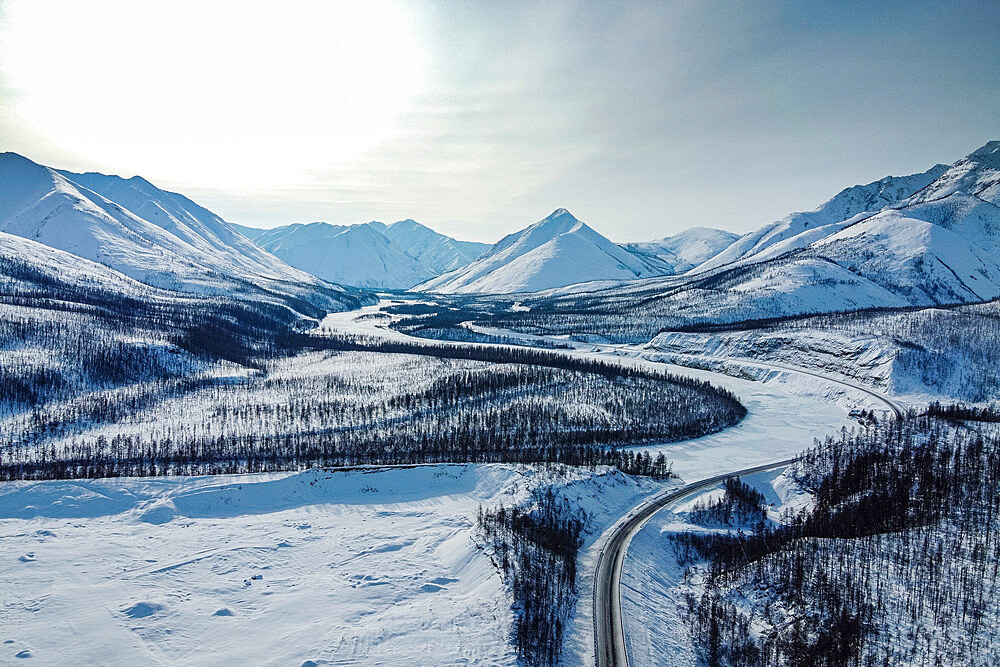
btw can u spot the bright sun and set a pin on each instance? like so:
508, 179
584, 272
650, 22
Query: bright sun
229, 94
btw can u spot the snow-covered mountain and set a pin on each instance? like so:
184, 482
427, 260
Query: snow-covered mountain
939, 245
932, 239
372, 255
688, 249
25, 263
357, 255
159, 238
799, 229
434, 250
556, 251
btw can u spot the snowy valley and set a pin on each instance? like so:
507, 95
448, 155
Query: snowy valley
210, 432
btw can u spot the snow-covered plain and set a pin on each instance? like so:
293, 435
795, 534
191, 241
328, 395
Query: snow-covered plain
372, 566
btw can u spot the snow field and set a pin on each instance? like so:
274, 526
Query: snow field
380, 566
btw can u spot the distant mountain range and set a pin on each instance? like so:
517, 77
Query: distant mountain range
926, 239
158, 238
557, 251
923, 239
371, 255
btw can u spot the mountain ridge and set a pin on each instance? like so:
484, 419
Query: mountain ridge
936, 243
370, 255
186, 249
358, 255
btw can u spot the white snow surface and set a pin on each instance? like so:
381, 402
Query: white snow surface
376, 566
847, 204
58, 264
436, 251
372, 566
554, 252
924, 262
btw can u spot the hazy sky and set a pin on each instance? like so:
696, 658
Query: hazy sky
478, 118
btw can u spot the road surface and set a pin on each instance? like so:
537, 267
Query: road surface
609, 634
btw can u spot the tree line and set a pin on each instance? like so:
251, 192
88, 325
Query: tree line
740, 504
432, 410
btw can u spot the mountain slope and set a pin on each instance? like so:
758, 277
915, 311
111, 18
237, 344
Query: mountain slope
357, 255
797, 230
922, 262
556, 251
184, 247
930, 238
938, 245
71, 326
688, 249
976, 175
434, 250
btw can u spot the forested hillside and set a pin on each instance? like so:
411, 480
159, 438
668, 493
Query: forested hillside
895, 560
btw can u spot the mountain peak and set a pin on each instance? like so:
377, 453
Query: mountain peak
988, 155
556, 251
558, 213
140, 181
15, 157
560, 221
410, 225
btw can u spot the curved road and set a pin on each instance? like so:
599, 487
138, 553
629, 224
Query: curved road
897, 409
609, 634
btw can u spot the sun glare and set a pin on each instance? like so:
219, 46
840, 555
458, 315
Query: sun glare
228, 94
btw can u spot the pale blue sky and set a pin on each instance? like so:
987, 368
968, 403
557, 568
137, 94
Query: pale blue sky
479, 118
